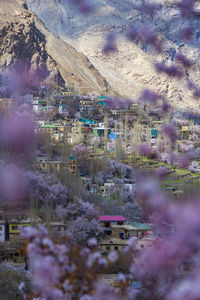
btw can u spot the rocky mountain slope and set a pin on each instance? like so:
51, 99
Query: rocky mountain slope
131, 68
25, 39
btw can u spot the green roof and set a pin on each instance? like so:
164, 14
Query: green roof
49, 126
71, 157
141, 226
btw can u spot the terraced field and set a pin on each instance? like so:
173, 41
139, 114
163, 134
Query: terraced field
176, 180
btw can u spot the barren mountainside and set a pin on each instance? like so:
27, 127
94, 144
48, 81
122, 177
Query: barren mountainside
131, 68
24, 38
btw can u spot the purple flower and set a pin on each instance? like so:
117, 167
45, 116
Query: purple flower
92, 242
166, 107
102, 262
183, 160
172, 71
182, 59
118, 103
45, 270
149, 8
161, 172
113, 256
84, 6
67, 286
195, 89
194, 166
145, 149
149, 37
188, 288
93, 257
132, 33
13, 184
186, 7
84, 252
132, 242
29, 233
110, 45
187, 32
87, 297
103, 291
170, 131
121, 277
146, 35
16, 132
149, 96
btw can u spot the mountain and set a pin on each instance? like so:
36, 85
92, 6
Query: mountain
131, 68
24, 38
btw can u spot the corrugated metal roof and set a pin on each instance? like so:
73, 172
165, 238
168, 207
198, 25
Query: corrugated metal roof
111, 218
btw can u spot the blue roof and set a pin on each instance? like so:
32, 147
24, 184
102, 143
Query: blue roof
102, 97
85, 121
112, 136
102, 103
136, 285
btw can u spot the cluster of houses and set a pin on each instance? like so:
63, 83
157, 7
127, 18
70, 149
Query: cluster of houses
56, 116
117, 232
11, 225
99, 135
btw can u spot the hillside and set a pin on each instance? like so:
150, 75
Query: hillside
24, 38
131, 68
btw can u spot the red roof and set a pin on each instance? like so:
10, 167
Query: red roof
111, 218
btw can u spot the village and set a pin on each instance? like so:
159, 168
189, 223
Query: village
77, 133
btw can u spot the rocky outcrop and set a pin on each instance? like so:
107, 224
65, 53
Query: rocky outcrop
25, 40
131, 68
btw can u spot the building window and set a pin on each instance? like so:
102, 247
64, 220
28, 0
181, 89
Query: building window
106, 224
116, 248
120, 223
108, 248
108, 232
1, 228
14, 227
